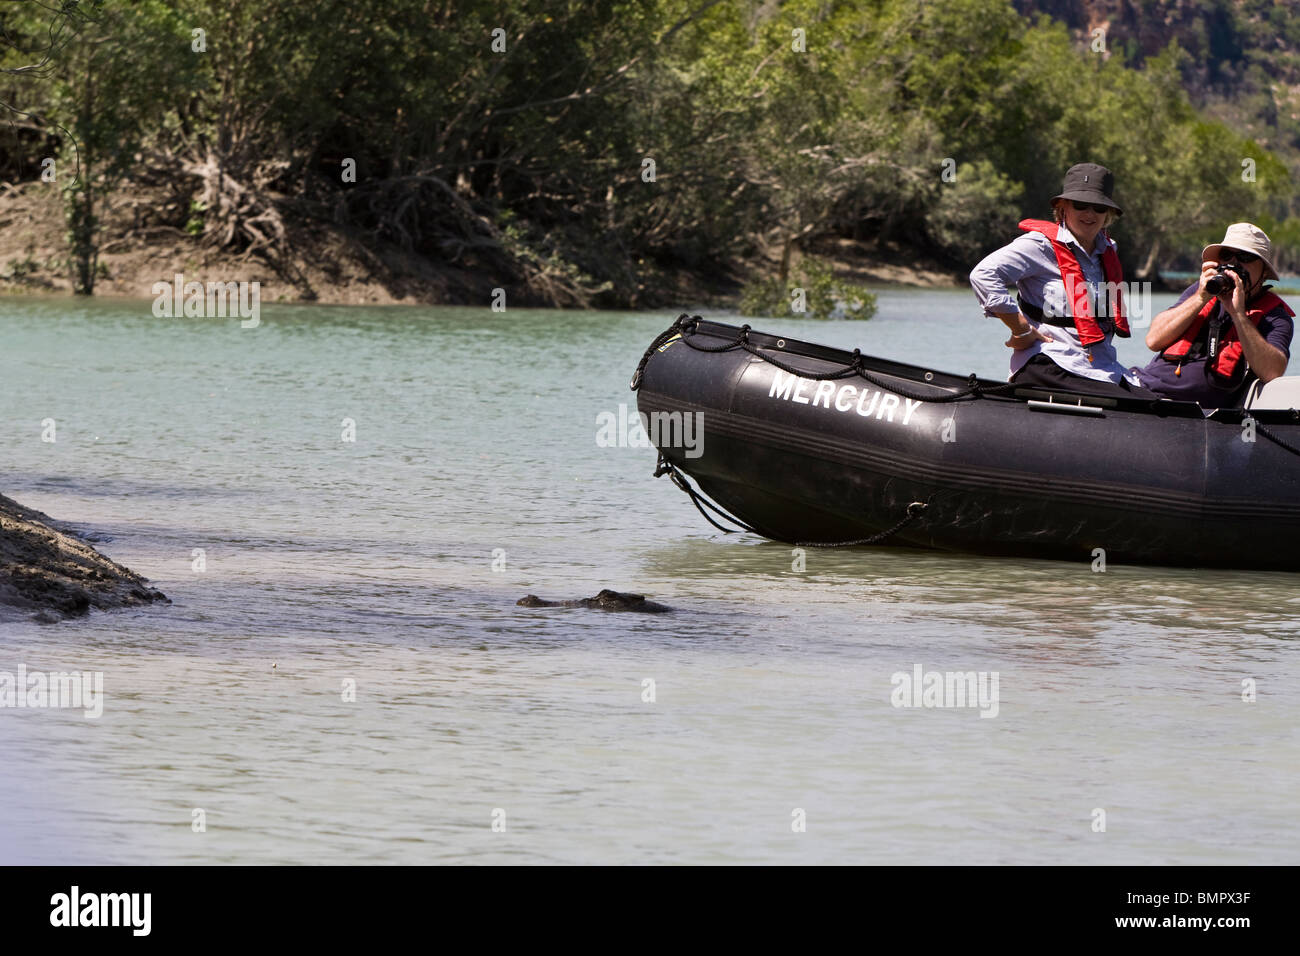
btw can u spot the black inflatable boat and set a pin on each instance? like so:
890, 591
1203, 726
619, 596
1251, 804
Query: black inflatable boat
819, 446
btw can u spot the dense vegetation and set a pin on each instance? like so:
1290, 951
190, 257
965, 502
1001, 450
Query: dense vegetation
578, 151
1241, 66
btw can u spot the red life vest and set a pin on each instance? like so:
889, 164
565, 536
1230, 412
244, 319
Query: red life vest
1076, 287
1230, 350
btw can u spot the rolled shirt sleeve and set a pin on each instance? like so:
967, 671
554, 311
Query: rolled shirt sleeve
1277, 328
1002, 268
1029, 264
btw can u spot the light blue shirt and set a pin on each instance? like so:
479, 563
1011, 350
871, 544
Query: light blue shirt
1029, 263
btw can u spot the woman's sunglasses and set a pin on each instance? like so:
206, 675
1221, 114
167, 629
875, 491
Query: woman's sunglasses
1095, 207
1245, 258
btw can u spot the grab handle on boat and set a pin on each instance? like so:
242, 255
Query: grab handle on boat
1054, 406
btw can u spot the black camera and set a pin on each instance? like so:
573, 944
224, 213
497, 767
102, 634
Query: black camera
1221, 283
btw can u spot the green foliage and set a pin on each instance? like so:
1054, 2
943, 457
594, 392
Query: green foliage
980, 201
114, 71
772, 126
194, 225
814, 287
1237, 62
20, 269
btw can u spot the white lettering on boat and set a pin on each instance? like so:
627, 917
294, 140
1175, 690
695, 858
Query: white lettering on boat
865, 401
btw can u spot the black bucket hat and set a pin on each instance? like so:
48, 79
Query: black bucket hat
1088, 182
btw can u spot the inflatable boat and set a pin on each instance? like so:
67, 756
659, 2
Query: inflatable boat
819, 446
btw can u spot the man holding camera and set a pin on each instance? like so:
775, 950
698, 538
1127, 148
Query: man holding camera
1223, 324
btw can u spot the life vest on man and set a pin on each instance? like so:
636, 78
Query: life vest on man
1076, 287
1230, 349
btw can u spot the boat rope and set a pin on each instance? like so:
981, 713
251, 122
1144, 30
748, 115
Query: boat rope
660, 339
1273, 438
914, 511
685, 326
665, 467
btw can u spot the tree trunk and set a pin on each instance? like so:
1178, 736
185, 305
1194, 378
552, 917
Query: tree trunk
82, 226
1147, 269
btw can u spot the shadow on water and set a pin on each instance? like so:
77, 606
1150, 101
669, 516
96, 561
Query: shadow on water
1035, 594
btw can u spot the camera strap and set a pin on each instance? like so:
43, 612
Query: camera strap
1215, 326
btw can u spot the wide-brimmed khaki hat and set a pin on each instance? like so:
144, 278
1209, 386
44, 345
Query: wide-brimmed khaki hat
1245, 237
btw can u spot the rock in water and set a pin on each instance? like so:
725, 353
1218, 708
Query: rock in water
606, 600
49, 574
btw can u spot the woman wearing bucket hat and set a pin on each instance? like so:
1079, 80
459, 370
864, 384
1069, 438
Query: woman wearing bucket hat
1225, 328
1062, 327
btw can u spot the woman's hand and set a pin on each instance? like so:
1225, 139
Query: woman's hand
1027, 338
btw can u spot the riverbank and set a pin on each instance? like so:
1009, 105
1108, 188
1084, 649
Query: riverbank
334, 265
49, 575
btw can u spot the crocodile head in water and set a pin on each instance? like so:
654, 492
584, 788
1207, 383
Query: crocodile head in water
606, 600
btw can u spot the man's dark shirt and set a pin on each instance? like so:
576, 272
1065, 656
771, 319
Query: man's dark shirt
1196, 383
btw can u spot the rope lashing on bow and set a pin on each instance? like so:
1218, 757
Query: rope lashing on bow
1275, 439
914, 511
686, 325
665, 467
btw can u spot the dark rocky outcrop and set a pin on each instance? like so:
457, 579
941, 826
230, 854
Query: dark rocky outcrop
606, 600
49, 574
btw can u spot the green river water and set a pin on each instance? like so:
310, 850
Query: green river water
391, 564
